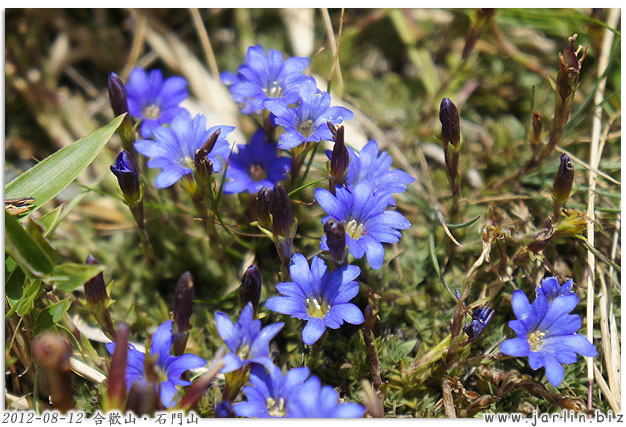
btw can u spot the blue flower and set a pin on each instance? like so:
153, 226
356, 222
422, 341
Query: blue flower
546, 333
153, 100
320, 297
271, 395
127, 173
550, 288
169, 368
315, 401
307, 122
255, 166
367, 223
175, 147
247, 342
371, 165
264, 77
481, 318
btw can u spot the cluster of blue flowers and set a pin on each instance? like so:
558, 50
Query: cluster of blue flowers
546, 332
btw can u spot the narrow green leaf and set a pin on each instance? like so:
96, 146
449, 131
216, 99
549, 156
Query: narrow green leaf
70, 276
24, 249
37, 231
464, 224
46, 179
13, 289
27, 302
51, 220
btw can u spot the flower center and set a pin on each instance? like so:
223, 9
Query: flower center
534, 339
243, 351
257, 172
186, 162
306, 128
152, 111
317, 308
276, 409
274, 91
354, 230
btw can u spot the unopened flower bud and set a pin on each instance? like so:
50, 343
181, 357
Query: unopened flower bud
119, 104
183, 302
52, 353
335, 238
449, 118
142, 399
95, 290
127, 173
481, 318
203, 166
262, 205
98, 300
340, 158
535, 135
280, 208
250, 289
562, 184
117, 371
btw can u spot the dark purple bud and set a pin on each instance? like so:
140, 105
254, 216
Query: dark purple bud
95, 290
224, 409
340, 158
204, 167
449, 118
127, 173
52, 353
335, 238
183, 302
481, 318
262, 205
117, 371
117, 95
250, 289
142, 399
280, 208
563, 183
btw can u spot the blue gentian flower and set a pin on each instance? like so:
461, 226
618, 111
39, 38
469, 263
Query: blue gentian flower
271, 395
546, 333
320, 297
175, 147
127, 173
154, 101
480, 318
264, 77
372, 165
170, 368
315, 401
550, 288
307, 122
367, 223
255, 166
247, 342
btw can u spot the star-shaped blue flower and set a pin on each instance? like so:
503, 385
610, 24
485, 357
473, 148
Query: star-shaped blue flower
367, 223
315, 401
373, 165
255, 166
153, 100
546, 333
169, 368
271, 395
175, 147
247, 342
320, 297
550, 288
307, 122
264, 77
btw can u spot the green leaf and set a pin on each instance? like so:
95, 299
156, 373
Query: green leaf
51, 220
36, 231
27, 302
70, 276
51, 315
24, 249
13, 289
46, 179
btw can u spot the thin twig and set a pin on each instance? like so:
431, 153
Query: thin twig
595, 155
137, 43
334, 45
205, 41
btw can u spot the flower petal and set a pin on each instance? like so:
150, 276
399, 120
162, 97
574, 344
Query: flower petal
313, 330
518, 347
